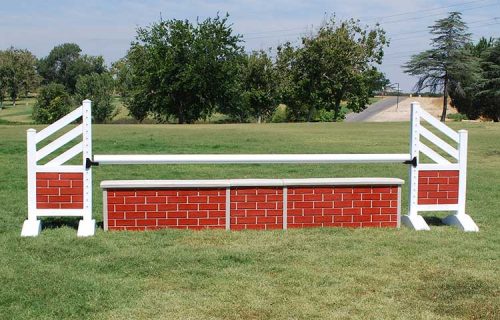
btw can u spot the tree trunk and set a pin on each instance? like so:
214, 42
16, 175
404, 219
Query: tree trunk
259, 119
445, 98
336, 109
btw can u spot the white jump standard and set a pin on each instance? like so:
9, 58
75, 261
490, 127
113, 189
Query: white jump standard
58, 189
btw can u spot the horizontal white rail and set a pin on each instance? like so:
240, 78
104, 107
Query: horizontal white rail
66, 168
249, 158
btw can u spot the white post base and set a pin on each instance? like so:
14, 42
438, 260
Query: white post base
415, 222
86, 228
31, 228
463, 221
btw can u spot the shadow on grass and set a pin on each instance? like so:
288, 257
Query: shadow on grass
434, 221
55, 223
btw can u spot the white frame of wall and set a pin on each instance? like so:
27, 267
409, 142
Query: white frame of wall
413, 220
32, 225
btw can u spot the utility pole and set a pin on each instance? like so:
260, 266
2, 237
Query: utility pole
397, 95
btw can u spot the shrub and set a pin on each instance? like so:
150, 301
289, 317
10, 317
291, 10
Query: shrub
53, 102
457, 116
280, 114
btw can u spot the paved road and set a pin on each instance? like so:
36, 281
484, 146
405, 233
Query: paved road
372, 110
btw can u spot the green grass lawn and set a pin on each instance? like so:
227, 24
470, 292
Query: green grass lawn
297, 274
20, 113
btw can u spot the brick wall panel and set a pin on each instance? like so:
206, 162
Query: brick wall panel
438, 187
59, 190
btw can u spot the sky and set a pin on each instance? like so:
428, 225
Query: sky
107, 27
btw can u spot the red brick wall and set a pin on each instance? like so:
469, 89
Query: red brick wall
256, 208
145, 209
438, 187
252, 208
59, 190
342, 207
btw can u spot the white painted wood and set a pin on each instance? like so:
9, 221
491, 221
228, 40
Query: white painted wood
59, 124
438, 125
31, 167
249, 158
87, 225
437, 207
67, 155
439, 142
228, 208
166, 184
59, 142
59, 212
437, 166
462, 174
414, 153
285, 208
432, 154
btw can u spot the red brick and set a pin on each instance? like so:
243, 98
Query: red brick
381, 217
125, 207
428, 187
343, 190
312, 212
313, 197
423, 181
124, 193
205, 222
124, 223
342, 204
71, 176
209, 206
262, 220
453, 180
188, 206
274, 212
216, 199
374, 196
370, 210
246, 220
362, 204
342, 218
351, 211
266, 205
438, 195
76, 183
187, 193
301, 190
381, 203
389, 196
295, 197
324, 190
242, 191
303, 204
167, 222
144, 193
254, 213
322, 219
155, 199
198, 199
423, 195
47, 191
274, 226
448, 173
238, 227
448, 201
59, 183
148, 207
438, 180
354, 196
362, 190
332, 197
334, 211
155, 215
41, 198
71, 190
304, 219
167, 193
351, 225
323, 204
60, 199
47, 175
116, 215
448, 187
166, 206
256, 226
216, 214
135, 215
381, 190
188, 222
70, 205
427, 201
134, 200
389, 210
42, 183
452, 194
269, 191
177, 214
77, 198
48, 205
146, 222
428, 173
197, 214
175, 200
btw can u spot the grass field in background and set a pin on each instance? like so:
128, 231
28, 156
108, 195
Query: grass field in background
298, 274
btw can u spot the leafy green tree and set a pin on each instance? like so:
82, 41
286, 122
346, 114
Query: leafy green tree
440, 68
183, 70
65, 64
330, 66
53, 102
99, 89
258, 86
17, 73
375, 80
488, 95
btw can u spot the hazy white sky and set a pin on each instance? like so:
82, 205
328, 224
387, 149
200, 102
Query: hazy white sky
107, 27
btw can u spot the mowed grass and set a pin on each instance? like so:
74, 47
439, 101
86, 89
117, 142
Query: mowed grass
298, 274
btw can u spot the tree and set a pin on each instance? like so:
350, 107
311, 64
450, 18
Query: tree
375, 80
258, 86
183, 70
53, 102
17, 73
440, 67
65, 64
99, 89
330, 67
488, 94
